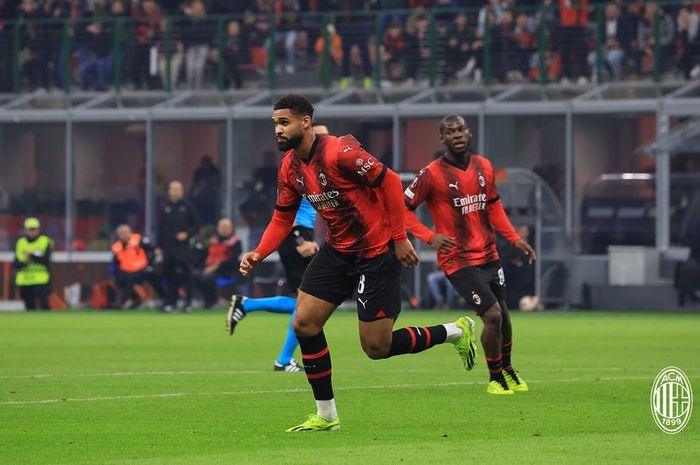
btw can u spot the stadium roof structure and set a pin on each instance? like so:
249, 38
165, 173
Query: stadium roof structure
682, 139
678, 98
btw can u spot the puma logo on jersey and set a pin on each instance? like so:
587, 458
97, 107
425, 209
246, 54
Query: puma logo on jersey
347, 149
454, 185
300, 181
364, 304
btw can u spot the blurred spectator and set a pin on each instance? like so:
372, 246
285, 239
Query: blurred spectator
32, 264
255, 31
462, 58
257, 208
441, 289
172, 54
144, 52
267, 173
198, 33
491, 13
439, 5
236, 53
34, 47
525, 46
133, 259
96, 55
119, 31
503, 47
53, 51
205, 190
335, 49
229, 7
288, 33
355, 29
394, 53
552, 66
177, 225
647, 41
221, 263
689, 42
418, 46
171, 7
573, 18
619, 34
5, 47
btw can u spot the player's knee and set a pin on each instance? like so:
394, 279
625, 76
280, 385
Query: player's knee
492, 317
303, 327
376, 350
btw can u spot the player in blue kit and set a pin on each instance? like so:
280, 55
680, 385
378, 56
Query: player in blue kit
296, 253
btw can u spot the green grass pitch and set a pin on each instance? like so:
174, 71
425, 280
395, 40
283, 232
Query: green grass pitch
148, 388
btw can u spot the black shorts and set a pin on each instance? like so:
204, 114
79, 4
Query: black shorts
333, 276
294, 264
480, 285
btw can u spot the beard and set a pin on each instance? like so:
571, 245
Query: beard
290, 143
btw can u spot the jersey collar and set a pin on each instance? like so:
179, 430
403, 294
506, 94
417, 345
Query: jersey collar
458, 165
312, 151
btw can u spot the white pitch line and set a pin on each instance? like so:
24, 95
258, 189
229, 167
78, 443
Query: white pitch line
255, 372
133, 373
299, 390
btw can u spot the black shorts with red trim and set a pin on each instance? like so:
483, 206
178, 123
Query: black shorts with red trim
480, 285
334, 277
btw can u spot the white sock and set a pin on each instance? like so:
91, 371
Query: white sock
454, 332
326, 409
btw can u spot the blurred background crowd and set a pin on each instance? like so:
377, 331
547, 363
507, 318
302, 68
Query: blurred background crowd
171, 44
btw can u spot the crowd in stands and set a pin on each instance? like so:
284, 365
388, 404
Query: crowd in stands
174, 44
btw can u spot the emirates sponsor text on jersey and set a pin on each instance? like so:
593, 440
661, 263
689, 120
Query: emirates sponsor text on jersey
470, 203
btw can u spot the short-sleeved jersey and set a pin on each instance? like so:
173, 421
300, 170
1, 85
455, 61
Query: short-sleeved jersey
306, 215
338, 180
458, 200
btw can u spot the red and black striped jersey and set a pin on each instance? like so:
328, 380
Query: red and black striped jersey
338, 180
464, 204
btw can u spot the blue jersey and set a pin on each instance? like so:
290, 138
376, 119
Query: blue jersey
306, 215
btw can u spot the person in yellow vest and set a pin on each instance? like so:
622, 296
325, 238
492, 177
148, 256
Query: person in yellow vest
221, 263
133, 263
32, 262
